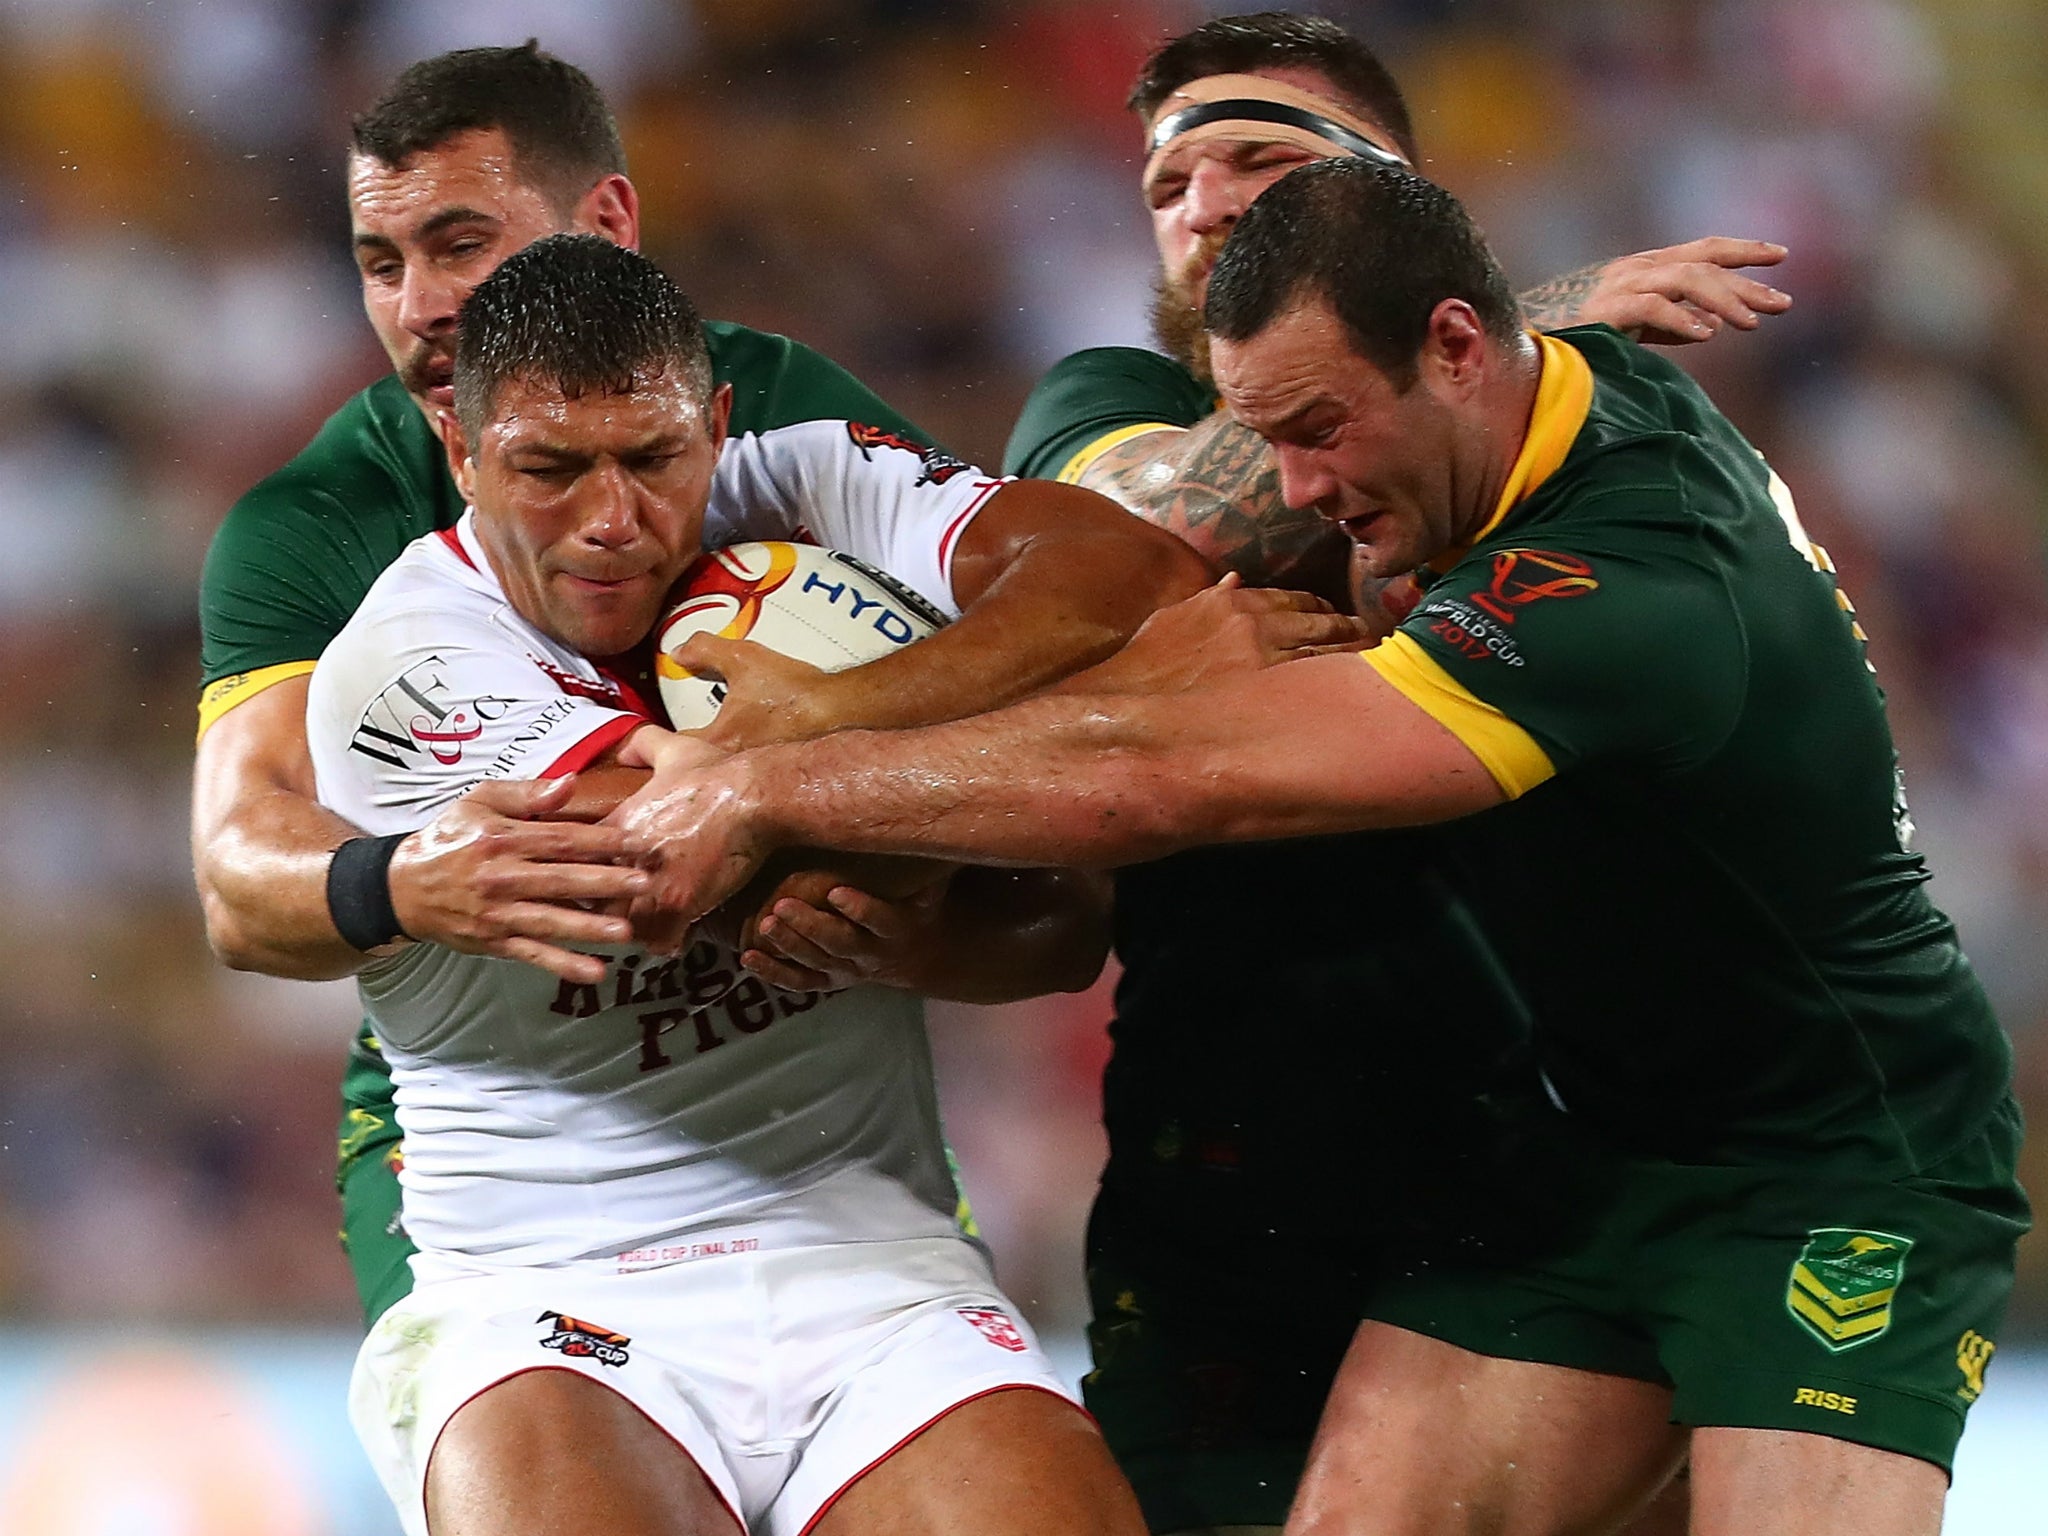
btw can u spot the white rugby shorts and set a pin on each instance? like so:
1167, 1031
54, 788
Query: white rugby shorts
784, 1375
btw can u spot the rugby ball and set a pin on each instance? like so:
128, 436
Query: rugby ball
815, 605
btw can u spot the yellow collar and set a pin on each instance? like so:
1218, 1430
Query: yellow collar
1564, 395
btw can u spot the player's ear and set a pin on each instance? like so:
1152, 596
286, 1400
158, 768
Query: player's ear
1454, 346
455, 443
721, 414
611, 208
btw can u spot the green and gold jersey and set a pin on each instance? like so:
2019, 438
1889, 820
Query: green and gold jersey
295, 555
1703, 879
1088, 403
1260, 1076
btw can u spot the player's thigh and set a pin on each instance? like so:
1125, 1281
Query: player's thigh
1214, 1348
1018, 1462
1758, 1482
554, 1451
1421, 1436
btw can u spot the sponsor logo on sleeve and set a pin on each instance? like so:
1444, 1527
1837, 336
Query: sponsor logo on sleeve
416, 716
1525, 576
1469, 633
579, 1340
939, 466
995, 1326
1843, 1283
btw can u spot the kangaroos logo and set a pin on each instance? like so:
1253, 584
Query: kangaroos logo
1525, 576
1843, 1282
939, 466
583, 1341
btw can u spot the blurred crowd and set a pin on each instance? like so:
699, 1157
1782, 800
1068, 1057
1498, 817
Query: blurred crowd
940, 194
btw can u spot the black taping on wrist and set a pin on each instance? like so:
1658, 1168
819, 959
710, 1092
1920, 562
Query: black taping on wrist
359, 891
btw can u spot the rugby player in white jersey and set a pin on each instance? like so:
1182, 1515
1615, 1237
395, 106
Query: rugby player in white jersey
689, 1259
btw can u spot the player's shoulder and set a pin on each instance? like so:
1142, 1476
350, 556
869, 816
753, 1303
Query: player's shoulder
1098, 390
373, 472
779, 382
431, 598
377, 446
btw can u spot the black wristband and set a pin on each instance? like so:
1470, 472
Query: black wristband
359, 891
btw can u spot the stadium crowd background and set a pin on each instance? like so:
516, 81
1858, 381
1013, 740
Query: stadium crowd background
941, 195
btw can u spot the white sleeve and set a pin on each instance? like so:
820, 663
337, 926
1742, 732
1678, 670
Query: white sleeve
884, 499
408, 710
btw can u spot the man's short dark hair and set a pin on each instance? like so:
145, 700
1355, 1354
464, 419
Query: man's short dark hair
561, 131
1382, 246
578, 313
1235, 45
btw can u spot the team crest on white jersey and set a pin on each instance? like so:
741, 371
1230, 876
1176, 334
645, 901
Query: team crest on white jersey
995, 1326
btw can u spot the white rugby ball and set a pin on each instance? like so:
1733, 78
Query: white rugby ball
816, 605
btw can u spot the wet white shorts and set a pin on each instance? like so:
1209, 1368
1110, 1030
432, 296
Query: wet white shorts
784, 1375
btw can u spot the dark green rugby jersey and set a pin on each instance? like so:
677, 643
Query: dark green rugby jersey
1711, 903
296, 554
1095, 399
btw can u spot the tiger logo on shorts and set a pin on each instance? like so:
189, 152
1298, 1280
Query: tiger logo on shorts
584, 1341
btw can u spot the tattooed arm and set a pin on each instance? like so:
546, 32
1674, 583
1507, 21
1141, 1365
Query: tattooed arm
1215, 487
1678, 294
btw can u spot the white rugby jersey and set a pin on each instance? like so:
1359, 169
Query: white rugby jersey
682, 1107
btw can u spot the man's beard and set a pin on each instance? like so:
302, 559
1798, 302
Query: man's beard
1177, 326
1177, 318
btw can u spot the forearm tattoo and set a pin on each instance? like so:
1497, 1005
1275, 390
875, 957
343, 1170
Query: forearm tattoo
1548, 306
1217, 489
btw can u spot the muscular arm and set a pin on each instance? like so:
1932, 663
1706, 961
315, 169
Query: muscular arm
1050, 578
261, 842
982, 936
1678, 294
1314, 746
481, 877
1215, 488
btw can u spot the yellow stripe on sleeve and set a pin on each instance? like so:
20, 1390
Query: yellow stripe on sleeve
1510, 753
1077, 466
224, 695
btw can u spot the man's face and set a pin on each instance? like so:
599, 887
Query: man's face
427, 233
590, 508
1381, 463
1196, 194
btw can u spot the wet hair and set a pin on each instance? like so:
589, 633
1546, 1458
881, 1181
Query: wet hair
1235, 45
581, 314
1380, 245
562, 133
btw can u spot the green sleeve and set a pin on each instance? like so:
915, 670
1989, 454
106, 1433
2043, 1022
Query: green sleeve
1093, 393
1603, 635
294, 556
777, 382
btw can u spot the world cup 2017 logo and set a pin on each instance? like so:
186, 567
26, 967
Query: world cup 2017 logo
1525, 576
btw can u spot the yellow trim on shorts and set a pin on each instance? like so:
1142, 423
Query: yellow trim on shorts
1510, 753
220, 697
1077, 466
